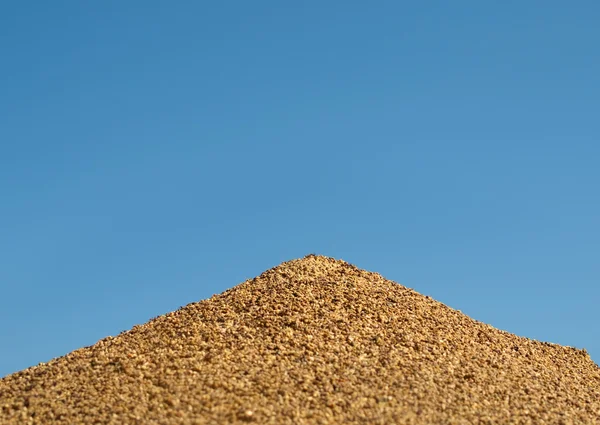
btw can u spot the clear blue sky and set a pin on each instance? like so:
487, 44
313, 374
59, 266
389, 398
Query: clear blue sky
155, 153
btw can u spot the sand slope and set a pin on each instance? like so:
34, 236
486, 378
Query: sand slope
314, 341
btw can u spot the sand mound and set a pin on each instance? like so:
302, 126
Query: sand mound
313, 341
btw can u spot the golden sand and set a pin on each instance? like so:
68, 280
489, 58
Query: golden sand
312, 341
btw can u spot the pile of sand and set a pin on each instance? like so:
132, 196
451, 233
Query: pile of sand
311, 341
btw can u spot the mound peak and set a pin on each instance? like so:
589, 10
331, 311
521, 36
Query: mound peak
314, 340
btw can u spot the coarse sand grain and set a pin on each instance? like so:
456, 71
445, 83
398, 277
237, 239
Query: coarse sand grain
312, 341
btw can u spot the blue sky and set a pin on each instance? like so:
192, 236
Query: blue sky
155, 153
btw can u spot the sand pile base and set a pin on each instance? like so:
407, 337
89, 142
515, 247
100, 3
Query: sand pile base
312, 341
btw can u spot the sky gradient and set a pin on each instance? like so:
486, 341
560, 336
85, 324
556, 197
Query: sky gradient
153, 154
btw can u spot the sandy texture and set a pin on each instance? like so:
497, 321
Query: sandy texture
312, 341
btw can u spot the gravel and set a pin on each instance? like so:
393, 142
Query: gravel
312, 341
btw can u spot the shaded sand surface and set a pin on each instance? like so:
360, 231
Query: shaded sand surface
312, 341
